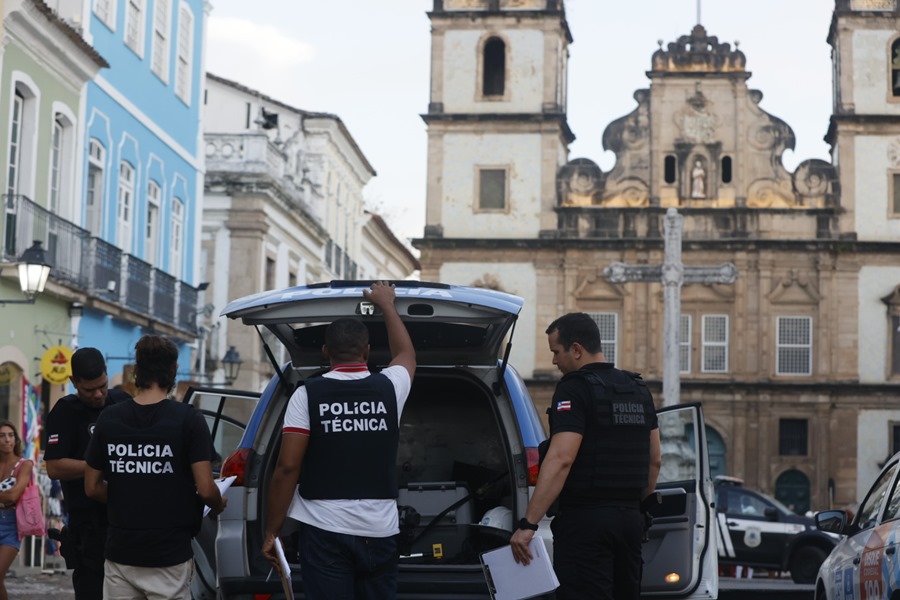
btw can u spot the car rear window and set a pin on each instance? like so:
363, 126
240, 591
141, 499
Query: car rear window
423, 334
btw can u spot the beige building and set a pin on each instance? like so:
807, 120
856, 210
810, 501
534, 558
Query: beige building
797, 363
283, 206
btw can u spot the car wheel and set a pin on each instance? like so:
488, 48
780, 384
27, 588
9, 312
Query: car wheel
805, 564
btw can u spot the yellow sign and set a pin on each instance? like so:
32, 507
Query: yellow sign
56, 364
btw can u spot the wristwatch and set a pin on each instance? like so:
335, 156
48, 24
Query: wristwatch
525, 524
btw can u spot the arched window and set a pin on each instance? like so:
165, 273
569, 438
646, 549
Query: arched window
895, 68
125, 206
494, 68
726, 169
669, 169
93, 217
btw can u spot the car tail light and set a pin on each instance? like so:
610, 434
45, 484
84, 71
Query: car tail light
236, 464
531, 460
262, 596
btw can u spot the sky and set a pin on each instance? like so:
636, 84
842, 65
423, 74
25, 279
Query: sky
367, 61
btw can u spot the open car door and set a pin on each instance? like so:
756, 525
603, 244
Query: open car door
226, 413
680, 557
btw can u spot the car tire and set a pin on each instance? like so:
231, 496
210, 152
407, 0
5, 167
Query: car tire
805, 563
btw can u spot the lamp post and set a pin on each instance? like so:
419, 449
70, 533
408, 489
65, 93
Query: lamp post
34, 269
231, 362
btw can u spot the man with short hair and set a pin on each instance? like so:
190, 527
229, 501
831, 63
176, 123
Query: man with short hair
346, 501
70, 426
602, 461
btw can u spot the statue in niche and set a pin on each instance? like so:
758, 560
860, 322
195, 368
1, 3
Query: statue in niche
698, 180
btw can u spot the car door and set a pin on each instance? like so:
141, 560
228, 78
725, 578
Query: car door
226, 413
757, 532
680, 555
864, 555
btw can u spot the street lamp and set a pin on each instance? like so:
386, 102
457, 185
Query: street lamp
34, 269
231, 362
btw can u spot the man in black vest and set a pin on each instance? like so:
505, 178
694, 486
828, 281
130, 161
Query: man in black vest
603, 460
343, 430
149, 460
69, 428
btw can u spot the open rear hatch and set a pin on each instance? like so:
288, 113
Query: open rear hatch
448, 324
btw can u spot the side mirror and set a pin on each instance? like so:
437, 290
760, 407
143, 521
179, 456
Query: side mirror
831, 521
771, 513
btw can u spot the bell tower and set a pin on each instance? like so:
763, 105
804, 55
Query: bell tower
497, 128
865, 125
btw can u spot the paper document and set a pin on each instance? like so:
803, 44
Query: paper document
223, 485
285, 570
509, 580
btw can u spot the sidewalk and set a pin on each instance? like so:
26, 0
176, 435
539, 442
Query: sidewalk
29, 583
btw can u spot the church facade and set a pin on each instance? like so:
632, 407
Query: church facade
797, 363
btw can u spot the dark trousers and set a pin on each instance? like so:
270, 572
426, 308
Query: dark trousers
597, 552
87, 536
337, 566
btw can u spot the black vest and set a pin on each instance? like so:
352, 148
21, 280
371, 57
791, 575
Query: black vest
613, 462
353, 438
149, 473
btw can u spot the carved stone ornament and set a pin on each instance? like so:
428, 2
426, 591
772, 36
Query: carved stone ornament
894, 153
488, 282
696, 122
873, 4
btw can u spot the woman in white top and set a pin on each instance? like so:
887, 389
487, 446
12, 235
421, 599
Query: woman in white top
18, 473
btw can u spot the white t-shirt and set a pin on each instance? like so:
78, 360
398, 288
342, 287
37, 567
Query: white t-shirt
369, 518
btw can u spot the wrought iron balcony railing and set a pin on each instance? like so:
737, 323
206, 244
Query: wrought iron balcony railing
94, 266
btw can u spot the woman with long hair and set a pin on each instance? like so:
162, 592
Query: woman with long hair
15, 472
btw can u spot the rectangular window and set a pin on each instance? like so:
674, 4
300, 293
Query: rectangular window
608, 325
792, 437
794, 346
15, 145
684, 344
183, 65
134, 26
56, 150
94, 209
177, 236
161, 26
154, 195
895, 438
270, 273
895, 195
492, 189
125, 206
715, 344
895, 344
106, 12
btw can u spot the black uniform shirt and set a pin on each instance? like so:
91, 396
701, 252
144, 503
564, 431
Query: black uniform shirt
69, 428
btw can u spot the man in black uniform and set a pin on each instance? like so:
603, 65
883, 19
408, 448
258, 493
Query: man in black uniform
69, 428
603, 460
149, 459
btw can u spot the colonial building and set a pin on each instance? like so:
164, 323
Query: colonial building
796, 362
283, 206
44, 67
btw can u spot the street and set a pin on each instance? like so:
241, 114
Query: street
773, 589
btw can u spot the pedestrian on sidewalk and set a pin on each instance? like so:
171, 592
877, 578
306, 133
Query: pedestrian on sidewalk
18, 474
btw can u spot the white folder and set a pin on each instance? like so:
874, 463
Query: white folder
509, 580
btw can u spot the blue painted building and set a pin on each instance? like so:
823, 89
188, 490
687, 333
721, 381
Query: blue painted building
143, 174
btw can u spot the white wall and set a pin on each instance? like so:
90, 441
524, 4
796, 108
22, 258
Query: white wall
871, 73
873, 446
874, 345
525, 72
521, 154
513, 278
872, 189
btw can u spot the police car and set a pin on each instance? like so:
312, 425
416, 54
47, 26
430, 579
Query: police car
468, 454
758, 531
865, 564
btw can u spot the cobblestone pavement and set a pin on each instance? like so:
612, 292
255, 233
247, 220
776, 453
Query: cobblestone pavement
32, 584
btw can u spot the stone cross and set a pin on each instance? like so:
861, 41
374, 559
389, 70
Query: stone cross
673, 273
